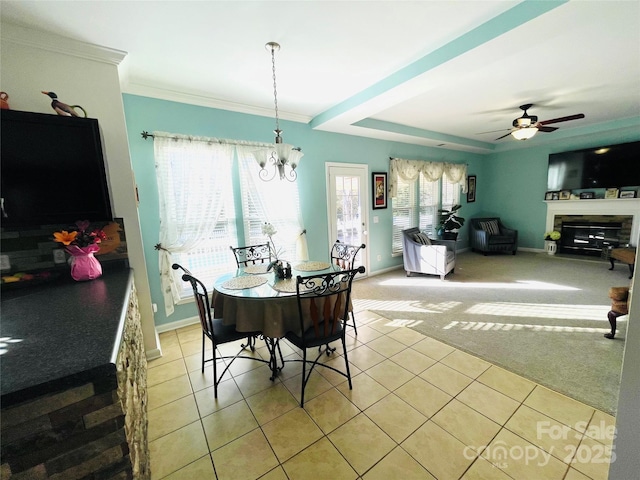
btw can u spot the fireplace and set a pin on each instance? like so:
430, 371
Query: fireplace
592, 234
589, 238
597, 213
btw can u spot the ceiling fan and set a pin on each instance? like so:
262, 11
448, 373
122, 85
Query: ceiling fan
527, 126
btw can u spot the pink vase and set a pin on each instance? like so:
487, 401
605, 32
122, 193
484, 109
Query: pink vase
84, 265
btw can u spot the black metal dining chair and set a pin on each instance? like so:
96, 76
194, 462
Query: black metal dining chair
215, 330
323, 302
343, 255
252, 254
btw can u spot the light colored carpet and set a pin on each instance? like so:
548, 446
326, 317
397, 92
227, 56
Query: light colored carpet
542, 317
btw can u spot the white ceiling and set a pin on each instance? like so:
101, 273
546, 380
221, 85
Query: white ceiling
424, 72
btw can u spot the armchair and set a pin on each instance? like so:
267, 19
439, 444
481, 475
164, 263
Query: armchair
490, 235
424, 255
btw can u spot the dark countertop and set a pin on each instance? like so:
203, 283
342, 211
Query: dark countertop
61, 335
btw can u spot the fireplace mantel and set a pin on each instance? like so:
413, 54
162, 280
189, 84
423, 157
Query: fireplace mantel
620, 206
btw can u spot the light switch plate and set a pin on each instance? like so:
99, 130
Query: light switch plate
5, 263
59, 256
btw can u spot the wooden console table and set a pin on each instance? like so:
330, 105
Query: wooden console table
624, 255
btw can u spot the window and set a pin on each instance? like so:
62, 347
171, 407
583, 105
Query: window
450, 193
197, 212
404, 212
199, 192
276, 202
417, 203
429, 204
211, 258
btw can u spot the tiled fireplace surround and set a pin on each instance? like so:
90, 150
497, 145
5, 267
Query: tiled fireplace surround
625, 211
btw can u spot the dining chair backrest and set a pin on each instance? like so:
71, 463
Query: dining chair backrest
252, 254
343, 254
324, 300
201, 297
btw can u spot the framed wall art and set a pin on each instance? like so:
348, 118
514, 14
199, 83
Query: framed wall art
628, 194
611, 193
379, 188
471, 188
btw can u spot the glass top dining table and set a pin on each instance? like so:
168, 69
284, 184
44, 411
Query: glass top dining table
253, 299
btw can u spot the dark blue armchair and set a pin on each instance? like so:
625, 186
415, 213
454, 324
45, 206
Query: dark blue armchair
490, 235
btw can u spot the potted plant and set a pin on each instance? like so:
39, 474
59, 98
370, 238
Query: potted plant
449, 223
550, 239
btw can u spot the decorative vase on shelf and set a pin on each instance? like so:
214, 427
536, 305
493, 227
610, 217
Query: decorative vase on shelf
551, 246
84, 265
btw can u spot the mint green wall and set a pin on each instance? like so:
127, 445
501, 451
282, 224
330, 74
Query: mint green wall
147, 114
510, 184
516, 181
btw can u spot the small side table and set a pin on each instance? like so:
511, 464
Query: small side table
624, 255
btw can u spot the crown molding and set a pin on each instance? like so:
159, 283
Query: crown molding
56, 43
202, 100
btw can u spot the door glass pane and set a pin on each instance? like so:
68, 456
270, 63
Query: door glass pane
348, 210
348, 204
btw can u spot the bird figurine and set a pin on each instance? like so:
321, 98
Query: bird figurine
64, 109
4, 101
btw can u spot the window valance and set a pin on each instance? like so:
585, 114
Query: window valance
409, 170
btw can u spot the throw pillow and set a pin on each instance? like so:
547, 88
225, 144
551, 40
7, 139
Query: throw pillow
422, 239
491, 227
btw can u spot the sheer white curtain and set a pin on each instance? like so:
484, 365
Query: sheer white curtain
276, 202
193, 177
408, 170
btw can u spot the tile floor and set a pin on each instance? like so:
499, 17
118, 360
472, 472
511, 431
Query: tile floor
419, 409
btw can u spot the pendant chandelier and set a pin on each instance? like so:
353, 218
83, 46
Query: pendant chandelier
281, 158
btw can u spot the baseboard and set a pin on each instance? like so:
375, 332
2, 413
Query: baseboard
153, 354
383, 270
185, 322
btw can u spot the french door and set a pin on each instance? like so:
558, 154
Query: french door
348, 206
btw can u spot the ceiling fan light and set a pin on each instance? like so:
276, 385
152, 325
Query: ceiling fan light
524, 133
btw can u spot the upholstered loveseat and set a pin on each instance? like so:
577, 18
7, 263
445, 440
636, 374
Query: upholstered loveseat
425, 255
491, 235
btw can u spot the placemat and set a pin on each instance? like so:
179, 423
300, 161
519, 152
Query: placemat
239, 283
255, 269
312, 266
287, 286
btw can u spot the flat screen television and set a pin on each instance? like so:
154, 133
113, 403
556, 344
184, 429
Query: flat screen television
53, 170
608, 166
